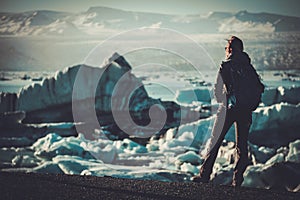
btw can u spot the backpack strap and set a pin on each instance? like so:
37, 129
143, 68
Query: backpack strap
227, 70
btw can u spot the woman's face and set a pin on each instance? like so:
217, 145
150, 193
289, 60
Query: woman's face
228, 50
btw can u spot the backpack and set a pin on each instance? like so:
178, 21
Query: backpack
246, 88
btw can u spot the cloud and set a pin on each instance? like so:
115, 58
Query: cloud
235, 25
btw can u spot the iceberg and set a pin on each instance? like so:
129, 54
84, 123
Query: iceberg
272, 126
93, 97
280, 94
15, 133
270, 96
54, 96
275, 125
190, 95
277, 116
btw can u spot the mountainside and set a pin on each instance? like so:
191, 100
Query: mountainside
102, 19
36, 23
280, 23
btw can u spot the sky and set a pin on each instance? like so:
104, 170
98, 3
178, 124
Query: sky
285, 7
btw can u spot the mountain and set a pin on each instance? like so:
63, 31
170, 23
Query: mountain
280, 22
97, 20
36, 23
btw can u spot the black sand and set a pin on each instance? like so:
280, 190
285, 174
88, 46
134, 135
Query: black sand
55, 186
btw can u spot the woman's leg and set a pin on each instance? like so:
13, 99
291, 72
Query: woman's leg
242, 127
223, 122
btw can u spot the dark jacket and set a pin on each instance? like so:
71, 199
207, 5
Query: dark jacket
224, 83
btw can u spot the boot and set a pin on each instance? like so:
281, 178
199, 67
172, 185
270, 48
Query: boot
200, 179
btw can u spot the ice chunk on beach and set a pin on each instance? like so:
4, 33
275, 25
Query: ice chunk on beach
101, 149
76, 165
280, 175
188, 167
130, 147
188, 157
294, 152
48, 167
280, 171
53, 145
261, 154
278, 158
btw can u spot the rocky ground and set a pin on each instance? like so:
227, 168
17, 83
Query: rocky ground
54, 186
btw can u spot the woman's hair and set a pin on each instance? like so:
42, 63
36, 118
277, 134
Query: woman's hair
236, 43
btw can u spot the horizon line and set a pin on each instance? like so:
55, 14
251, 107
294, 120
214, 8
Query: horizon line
148, 12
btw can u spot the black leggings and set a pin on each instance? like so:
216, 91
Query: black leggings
224, 120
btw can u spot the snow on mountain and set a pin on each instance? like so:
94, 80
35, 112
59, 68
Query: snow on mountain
115, 19
36, 23
244, 21
280, 22
98, 19
59, 27
234, 25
